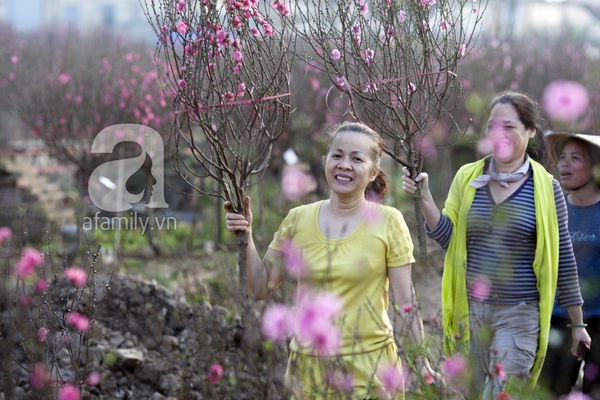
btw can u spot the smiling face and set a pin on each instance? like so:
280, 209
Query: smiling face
574, 165
349, 166
507, 134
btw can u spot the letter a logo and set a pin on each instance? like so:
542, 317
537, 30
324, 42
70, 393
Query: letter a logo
107, 182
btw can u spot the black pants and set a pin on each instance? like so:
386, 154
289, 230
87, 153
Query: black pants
561, 369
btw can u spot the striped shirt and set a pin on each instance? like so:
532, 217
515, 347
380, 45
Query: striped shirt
501, 243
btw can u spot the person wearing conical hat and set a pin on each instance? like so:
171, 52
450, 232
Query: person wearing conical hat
577, 157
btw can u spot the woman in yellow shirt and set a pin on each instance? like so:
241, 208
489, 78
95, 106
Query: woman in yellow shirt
355, 249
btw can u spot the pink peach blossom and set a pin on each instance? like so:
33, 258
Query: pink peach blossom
78, 321
456, 366
69, 392
295, 183
41, 334
93, 379
292, 256
5, 234
278, 322
76, 276
182, 28
392, 379
30, 260
480, 288
39, 377
215, 373
41, 285
565, 100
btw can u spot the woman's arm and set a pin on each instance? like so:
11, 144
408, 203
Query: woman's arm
578, 331
431, 212
264, 275
404, 304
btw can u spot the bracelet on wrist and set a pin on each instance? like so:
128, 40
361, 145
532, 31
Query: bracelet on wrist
576, 325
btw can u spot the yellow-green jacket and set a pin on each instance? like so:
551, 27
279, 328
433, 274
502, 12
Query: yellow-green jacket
455, 307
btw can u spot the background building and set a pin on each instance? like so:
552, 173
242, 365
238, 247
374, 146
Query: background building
124, 17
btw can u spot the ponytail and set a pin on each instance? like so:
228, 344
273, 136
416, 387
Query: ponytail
378, 188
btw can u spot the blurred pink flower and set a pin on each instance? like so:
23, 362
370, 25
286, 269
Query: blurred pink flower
363, 6
14, 59
565, 100
182, 28
429, 379
180, 5
39, 377
456, 366
64, 78
481, 287
278, 322
575, 395
215, 373
407, 309
77, 276
281, 7
241, 90
401, 15
335, 54
371, 213
485, 146
426, 146
444, 25
295, 183
41, 334
392, 379
93, 379
503, 396
5, 234
499, 371
41, 285
79, 321
69, 392
292, 257
340, 381
237, 55
462, 50
30, 260
315, 322
325, 339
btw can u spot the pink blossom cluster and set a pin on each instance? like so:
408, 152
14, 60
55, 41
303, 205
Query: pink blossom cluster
565, 100
296, 182
215, 373
29, 261
312, 321
393, 380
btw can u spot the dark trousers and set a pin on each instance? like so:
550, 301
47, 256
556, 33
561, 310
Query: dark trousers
561, 369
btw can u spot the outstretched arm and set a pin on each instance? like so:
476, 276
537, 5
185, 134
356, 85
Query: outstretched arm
431, 212
264, 275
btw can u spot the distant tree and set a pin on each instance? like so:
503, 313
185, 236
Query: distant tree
68, 88
397, 64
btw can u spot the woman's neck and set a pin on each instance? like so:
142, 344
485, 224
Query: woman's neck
585, 195
342, 207
508, 168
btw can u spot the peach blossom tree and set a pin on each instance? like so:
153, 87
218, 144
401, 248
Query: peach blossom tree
396, 64
70, 87
229, 63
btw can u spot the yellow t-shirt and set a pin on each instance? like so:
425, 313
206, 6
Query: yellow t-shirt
354, 268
